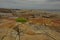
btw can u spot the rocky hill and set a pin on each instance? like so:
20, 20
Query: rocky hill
40, 25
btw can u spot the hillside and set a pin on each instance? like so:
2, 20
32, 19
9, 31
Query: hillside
40, 25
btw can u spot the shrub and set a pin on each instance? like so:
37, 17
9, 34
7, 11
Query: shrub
22, 20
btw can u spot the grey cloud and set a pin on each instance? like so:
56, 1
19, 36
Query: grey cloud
52, 0
35, 4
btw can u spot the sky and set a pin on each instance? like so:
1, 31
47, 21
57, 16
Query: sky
30, 4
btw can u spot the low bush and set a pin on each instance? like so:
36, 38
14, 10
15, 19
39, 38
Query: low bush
22, 20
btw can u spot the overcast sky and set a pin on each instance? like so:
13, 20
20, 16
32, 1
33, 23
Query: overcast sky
30, 4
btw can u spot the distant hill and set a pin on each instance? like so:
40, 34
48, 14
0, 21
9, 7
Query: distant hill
52, 10
5, 10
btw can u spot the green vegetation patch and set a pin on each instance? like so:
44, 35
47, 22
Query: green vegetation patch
22, 20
